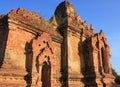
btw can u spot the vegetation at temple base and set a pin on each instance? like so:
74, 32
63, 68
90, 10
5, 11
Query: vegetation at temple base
117, 77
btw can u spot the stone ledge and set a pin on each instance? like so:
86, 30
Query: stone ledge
12, 72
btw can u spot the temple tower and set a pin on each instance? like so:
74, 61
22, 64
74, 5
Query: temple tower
85, 59
61, 52
72, 61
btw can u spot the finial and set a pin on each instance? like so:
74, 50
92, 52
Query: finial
91, 26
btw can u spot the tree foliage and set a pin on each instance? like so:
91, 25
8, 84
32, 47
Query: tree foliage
117, 77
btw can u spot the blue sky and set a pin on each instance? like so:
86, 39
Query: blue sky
103, 14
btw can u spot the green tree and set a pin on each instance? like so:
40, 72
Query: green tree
117, 77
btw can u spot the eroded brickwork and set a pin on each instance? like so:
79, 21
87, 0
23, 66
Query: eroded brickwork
62, 52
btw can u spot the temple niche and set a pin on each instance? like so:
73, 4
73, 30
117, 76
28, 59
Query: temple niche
61, 52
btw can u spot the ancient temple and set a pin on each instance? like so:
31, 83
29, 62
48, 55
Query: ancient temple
61, 52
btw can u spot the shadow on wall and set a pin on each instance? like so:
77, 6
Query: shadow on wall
46, 65
88, 71
82, 60
64, 60
28, 63
3, 41
46, 72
